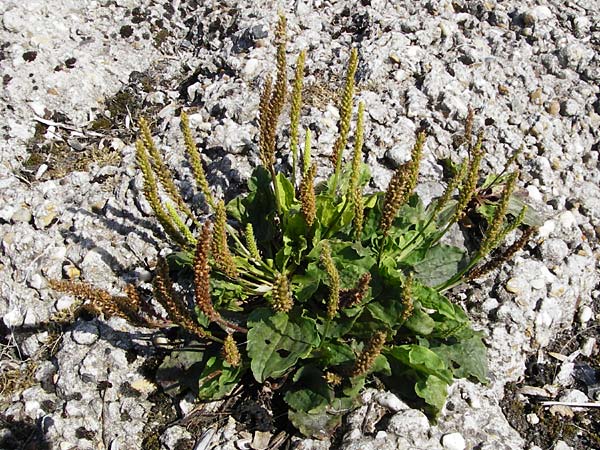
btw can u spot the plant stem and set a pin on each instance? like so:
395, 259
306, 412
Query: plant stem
246, 252
456, 279
276, 191
336, 219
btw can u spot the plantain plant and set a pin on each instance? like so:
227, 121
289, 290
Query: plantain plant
319, 289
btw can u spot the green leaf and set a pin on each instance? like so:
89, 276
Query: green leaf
181, 369
337, 328
431, 299
276, 342
422, 360
180, 260
425, 368
334, 354
305, 285
532, 217
257, 207
515, 205
467, 357
352, 261
294, 239
320, 425
286, 192
217, 379
225, 293
420, 323
387, 310
310, 392
313, 408
381, 365
433, 390
439, 264
236, 209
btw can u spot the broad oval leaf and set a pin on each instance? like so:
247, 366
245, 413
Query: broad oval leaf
276, 342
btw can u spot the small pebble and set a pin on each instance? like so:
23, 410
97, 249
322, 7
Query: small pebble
515, 285
390, 401
381, 435
574, 396
538, 283
533, 419
32, 409
585, 314
536, 96
44, 215
22, 215
86, 333
261, 440
561, 410
454, 441
553, 108
565, 374
14, 318
562, 445
71, 271
587, 349
547, 228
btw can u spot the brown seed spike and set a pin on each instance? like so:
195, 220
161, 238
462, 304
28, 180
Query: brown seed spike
172, 302
99, 298
267, 131
498, 260
469, 125
353, 297
395, 196
202, 274
372, 350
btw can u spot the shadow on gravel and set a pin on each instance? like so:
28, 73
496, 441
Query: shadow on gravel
21, 435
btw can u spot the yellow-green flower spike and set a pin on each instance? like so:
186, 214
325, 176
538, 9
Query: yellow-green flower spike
295, 110
469, 186
494, 232
452, 185
181, 226
306, 153
251, 242
162, 171
355, 188
334, 281
345, 113
407, 297
280, 88
401, 185
152, 196
231, 354
223, 258
281, 298
195, 160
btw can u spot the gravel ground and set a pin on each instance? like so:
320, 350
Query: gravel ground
75, 76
